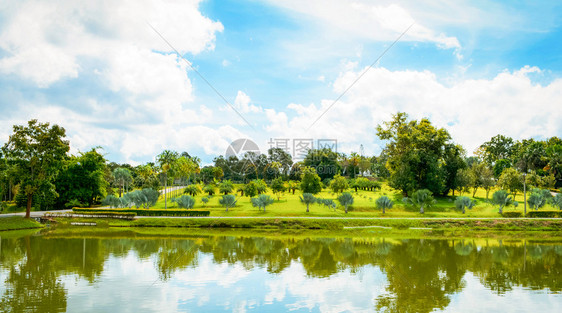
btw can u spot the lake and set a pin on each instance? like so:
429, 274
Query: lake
127, 271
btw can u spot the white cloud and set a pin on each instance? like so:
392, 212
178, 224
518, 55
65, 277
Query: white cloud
243, 103
370, 20
472, 110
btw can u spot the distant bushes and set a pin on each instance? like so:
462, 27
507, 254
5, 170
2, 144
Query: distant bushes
145, 212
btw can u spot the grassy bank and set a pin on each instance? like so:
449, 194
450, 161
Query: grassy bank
17, 222
333, 223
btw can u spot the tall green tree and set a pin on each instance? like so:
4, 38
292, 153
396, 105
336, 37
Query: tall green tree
415, 153
38, 151
497, 148
511, 180
167, 160
310, 181
122, 177
82, 179
325, 161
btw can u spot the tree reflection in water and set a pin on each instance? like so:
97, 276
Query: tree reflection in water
420, 274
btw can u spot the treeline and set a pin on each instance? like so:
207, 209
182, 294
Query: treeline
37, 170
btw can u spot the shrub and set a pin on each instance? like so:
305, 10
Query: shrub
185, 202
512, 214
147, 212
543, 214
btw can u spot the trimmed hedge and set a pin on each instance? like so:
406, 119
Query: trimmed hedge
512, 214
544, 214
146, 212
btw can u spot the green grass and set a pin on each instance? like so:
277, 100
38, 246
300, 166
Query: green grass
364, 206
17, 222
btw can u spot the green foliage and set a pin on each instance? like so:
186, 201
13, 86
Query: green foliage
512, 214
251, 189
462, 203
329, 203
463, 180
278, 187
37, 150
544, 214
307, 199
185, 202
422, 199
209, 189
205, 200
261, 186
228, 201
384, 203
557, 201
346, 199
81, 180
538, 198
511, 180
415, 153
325, 161
310, 181
226, 187
123, 178
192, 190
500, 166
151, 212
502, 199
497, 148
339, 184
261, 202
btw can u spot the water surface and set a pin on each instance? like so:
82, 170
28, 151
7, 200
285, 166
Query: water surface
129, 272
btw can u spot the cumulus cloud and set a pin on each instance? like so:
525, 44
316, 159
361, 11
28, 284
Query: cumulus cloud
472, 110
142, 87
243, 103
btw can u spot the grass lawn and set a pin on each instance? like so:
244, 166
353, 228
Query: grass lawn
363, 206
17, 222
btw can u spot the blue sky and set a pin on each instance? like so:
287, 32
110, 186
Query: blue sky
478, 68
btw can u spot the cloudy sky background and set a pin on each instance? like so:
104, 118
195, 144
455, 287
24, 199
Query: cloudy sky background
478, 68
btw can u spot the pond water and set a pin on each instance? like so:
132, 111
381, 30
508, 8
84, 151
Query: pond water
131, 272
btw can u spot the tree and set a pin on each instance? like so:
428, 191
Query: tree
226, 187
346, 199
167, 160
262, 201
500, 166
497, 148
502, 199
251, 189
192, 190
282, 157
339, 184
81, 180
538, 198
185, 202
209, 189
511, 180
476, 172
278, 187
422, 199
463, 180
557, 201
122, 177
462, 203
310, 181
261, 186
38, 151
324, 161
308, 199
228, 201
292, 186
487, 180
384, 203
184, 167
415, 153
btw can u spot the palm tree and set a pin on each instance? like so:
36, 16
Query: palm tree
122, 176
502, 199
384, 203
308, 199
557, 201
462, 203
346, 199
185, 202
422, 198
226, 187
228, 201
262, 201
166, 159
